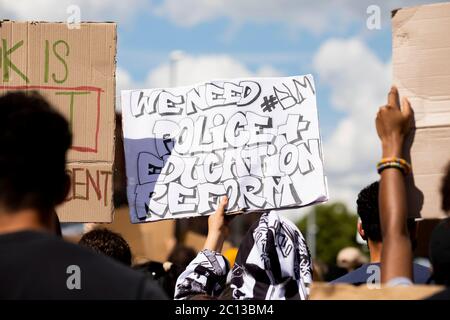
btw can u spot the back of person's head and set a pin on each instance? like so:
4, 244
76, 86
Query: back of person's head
56, 225
369, 214
440, 238
367, 208
440, 252
34, 139
109, 243
445, 191
182, 255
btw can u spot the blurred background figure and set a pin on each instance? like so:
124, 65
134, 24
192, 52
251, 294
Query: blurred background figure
440, 240
350, 258
166, 273
181, 255
109, 243
369, 228
440, 253
320, 269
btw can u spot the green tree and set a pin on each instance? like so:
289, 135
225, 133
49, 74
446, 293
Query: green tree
336, 229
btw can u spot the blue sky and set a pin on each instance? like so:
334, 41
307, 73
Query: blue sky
147, 40
234, 38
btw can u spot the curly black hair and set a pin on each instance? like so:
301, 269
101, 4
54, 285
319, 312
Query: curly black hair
34, 139
367, 208
109, 243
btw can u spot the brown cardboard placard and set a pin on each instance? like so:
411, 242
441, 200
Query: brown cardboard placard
75, 70
421, 69
148, 241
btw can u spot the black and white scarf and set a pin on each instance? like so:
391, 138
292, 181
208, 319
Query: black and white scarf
206, 274
273, 263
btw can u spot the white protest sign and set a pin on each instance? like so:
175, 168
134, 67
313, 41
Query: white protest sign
256, 140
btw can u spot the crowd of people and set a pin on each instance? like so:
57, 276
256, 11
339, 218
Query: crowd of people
272, 261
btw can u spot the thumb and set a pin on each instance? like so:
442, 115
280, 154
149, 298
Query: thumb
406, 108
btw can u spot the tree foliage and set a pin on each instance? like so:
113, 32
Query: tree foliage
336, 229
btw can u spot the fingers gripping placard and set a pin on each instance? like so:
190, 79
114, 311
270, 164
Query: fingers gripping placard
256, 140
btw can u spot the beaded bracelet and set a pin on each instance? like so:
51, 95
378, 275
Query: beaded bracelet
394, 162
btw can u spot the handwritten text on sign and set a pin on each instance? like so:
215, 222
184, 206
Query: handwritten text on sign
75, 71
256, 140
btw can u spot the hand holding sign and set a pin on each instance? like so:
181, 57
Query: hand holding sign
218, 227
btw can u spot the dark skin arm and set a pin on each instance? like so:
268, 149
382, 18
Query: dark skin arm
393, 123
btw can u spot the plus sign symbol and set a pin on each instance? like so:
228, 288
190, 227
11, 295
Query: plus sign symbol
269, 103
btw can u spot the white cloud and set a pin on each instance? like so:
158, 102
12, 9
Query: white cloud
359, 83
289, 11
316, 16
268, 71
123, 81
56, 10
192, 69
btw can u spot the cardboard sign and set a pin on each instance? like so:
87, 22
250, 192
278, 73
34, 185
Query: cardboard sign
148, 241
421, 53
256, 140
75, 70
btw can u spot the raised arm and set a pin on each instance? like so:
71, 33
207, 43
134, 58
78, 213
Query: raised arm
218, 227
206, 274
393, 124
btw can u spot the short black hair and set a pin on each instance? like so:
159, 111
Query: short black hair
440, 252
367, 208
34, 139
109, 243
369, 213
445, 190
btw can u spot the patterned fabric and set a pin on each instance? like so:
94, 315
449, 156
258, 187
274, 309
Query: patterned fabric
206, 274
273, 263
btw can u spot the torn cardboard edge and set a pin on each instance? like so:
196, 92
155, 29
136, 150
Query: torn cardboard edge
62, 64
421, 47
